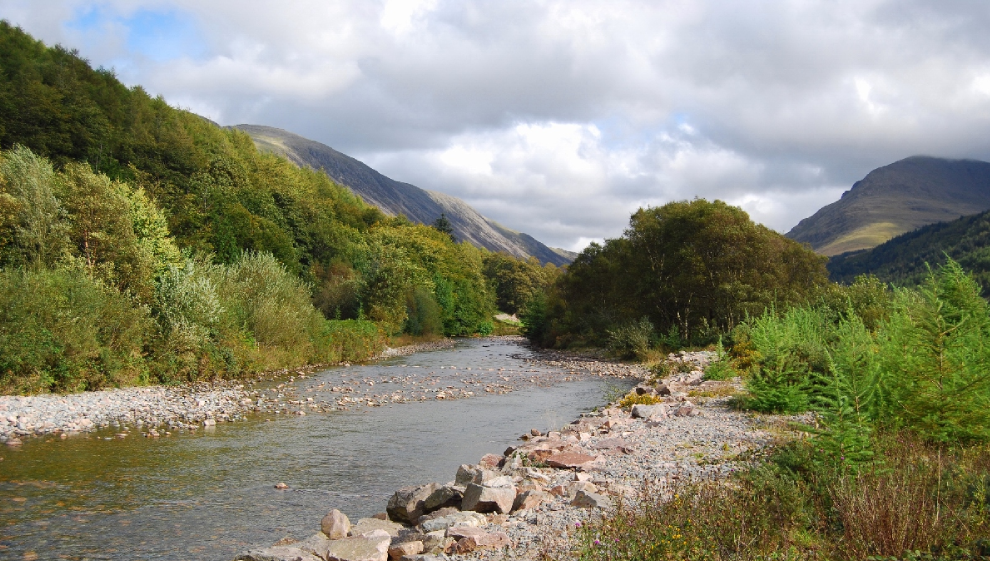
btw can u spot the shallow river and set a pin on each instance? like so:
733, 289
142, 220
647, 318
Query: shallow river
210, 495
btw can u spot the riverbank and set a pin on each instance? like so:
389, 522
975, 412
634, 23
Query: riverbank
159, 411
524, 503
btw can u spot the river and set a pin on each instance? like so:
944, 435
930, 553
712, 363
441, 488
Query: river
210, 495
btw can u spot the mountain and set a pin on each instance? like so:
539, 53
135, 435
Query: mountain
395, 197
895, 199
904, 260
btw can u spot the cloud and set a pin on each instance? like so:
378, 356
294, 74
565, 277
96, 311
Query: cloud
560, 117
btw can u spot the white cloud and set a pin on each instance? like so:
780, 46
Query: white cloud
560, 117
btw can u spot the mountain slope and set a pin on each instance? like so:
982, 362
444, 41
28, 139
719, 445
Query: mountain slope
395, 197
904, 260
895, 199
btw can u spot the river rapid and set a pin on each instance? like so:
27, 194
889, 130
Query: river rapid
210, 494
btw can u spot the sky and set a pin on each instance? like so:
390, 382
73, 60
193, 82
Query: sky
561, 118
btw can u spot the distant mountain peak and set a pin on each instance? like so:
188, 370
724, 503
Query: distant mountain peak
395, 197
895, 199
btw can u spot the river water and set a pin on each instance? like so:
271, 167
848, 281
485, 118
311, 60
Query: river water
210, 495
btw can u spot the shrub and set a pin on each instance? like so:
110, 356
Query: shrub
63, 331
631, 340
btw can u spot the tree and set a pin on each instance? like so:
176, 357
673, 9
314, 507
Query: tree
444, 226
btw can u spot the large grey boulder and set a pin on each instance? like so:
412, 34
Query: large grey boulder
317, 544
481, 498
473, 474
369, 547
408, 503
278, 553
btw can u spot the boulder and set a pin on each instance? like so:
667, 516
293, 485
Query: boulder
491, 461
278, 553
408, 503
472, 474
420, 558
444, 496
663, 390
335, 525
316, 544
469, 539
528, 500
589, 499
649, 411
369, 547
403, 549
367, 526
569, 460
436, 542
481, 498
473, 519
539, 456
687, 409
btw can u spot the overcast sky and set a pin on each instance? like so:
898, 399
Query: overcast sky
560, 118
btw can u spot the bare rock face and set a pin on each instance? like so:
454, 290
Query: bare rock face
480, 498
278, 553
409, 503
369, 547
335, 525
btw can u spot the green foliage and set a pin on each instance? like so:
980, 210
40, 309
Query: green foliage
423, 314
720, 368
61, 330
36, 228
694, 268
516, 281
631, 340
443, 225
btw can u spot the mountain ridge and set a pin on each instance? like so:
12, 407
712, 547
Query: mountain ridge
396, 197
895, 199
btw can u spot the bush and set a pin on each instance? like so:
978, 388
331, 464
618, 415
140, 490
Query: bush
632, 340
62, 331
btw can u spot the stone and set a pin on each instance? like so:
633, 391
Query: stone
468, 474
407, 504
281, 486
473, 519
569, 460
278, 553
588, 499
529, 499
435, 542
369, 547
663, 390
335, 525
535, 432
649, 411
317, 544
490, 461
469, 539
444, 496
439, 513
643, 389
420, 558
686, 409
500, 481
539, 456
367, 526
481, 498
403, 549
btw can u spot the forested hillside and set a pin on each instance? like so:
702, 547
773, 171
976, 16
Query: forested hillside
142, 243
905, 260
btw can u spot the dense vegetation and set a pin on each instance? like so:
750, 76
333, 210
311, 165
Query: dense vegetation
140, 243
681, 273
897, 463
905, 260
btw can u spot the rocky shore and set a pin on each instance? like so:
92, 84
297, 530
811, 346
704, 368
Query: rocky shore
524, 503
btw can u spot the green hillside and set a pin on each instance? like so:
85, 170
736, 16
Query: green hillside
904, 260
895, 199
183, 252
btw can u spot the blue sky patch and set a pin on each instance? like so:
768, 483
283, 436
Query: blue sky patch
158, 35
